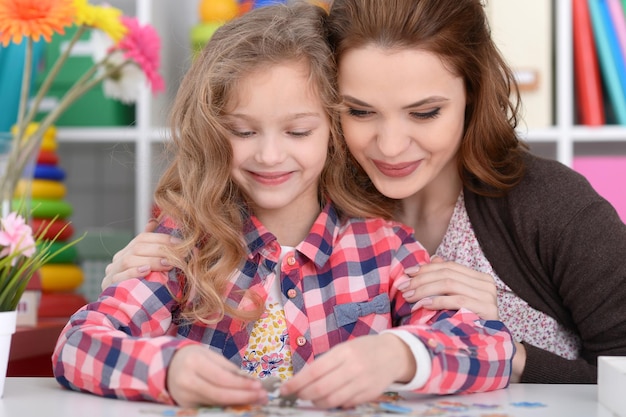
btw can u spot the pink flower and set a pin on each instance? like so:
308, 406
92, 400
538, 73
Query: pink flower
142, 45
16, 237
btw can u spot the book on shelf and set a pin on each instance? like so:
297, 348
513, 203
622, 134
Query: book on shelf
618, 17
606, 174
530, 55
588, 86
612, 62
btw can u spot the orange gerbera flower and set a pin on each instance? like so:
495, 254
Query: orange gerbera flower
34, 19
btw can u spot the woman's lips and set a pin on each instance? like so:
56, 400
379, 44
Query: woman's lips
270, 178
397, 170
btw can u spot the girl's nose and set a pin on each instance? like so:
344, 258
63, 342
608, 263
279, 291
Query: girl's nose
271, 150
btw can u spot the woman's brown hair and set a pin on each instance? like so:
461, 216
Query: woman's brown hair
490, 159
197, 190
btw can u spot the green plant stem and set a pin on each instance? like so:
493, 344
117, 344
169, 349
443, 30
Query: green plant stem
79, 88
52, 74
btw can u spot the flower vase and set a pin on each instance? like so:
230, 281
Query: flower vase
8, 321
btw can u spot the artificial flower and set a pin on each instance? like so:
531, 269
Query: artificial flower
84, 13
142, 45
130, 58
34, 19
123, 84
16, 237
105, 18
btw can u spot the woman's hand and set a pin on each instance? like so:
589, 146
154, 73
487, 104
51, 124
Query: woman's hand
145, 253
353, 372
443, 285
198, 376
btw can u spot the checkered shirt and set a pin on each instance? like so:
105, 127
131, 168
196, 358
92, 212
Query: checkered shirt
339, 283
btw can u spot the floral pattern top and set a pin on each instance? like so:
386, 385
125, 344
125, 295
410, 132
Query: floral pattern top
525, 323
268, 352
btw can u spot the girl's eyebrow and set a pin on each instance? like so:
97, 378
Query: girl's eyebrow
293, 116
427, 100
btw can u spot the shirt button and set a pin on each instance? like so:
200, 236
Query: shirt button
292, 293
432, 343
301, 341
291, 261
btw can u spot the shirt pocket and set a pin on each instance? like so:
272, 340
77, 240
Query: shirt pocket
363, 318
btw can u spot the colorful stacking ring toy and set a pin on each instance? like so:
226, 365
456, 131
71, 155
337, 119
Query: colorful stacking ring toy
60, 277
48, 209
65, 255
60, 229
49, 172
42, 189
47, 157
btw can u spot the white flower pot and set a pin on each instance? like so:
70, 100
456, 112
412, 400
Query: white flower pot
7, 328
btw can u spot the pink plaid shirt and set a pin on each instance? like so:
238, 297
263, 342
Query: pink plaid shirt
339, 283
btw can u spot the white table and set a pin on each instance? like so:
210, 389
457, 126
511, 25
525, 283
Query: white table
43, 397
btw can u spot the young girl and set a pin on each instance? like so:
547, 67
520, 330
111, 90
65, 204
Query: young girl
269, 274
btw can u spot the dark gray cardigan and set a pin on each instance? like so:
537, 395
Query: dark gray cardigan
562, 248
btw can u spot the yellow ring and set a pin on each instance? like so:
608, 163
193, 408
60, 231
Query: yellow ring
46, 189
60, 277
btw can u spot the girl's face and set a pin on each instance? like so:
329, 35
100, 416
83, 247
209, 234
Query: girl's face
279, 135
403, 118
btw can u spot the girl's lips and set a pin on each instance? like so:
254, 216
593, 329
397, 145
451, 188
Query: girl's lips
270, 178
397, 170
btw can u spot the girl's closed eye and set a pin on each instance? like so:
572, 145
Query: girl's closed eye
242, 133
300, 133
427, 115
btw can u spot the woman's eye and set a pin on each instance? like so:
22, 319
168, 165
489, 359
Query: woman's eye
358, 113
427, 115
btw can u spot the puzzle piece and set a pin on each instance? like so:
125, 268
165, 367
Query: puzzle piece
271, 384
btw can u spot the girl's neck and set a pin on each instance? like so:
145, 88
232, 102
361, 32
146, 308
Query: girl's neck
292, 225
429, 210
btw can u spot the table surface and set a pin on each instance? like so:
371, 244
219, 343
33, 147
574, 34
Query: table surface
34, 397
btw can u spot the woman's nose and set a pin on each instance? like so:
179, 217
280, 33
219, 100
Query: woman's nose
393, 138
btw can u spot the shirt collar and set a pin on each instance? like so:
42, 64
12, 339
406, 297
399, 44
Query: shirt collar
317, 246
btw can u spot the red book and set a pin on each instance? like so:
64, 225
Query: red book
589, 102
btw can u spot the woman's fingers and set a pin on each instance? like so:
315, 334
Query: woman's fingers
146, 252
449, 285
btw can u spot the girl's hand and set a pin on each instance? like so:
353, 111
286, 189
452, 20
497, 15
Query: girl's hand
353, 372
145, 253
444, 285
198, 376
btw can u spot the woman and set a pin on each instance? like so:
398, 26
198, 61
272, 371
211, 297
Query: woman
429, 119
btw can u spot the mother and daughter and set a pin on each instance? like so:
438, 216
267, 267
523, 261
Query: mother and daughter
276, 247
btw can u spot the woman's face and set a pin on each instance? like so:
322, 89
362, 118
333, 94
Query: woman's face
403, 118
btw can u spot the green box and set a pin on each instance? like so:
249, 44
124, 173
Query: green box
93, 108
76, 64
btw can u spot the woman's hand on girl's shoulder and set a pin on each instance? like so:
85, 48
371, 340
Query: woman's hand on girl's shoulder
144, 254
447, 285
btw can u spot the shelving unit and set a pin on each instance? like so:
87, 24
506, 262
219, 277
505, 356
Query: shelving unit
173, 21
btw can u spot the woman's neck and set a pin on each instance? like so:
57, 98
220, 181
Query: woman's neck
429, 210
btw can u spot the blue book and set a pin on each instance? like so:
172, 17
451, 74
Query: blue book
612, 63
